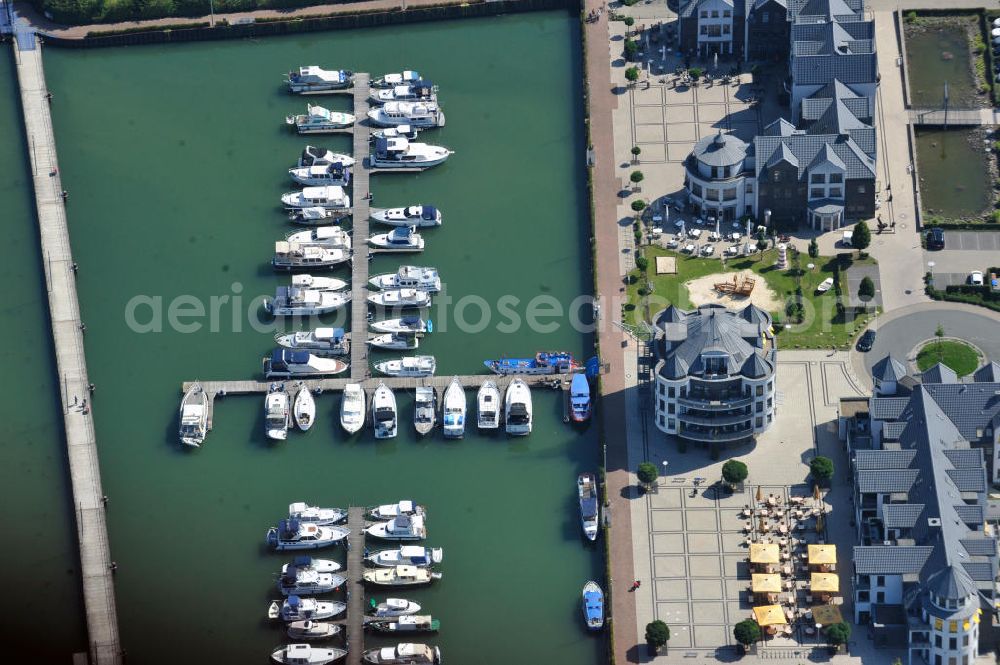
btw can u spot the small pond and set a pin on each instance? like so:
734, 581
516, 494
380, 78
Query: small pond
938, 51
954, 172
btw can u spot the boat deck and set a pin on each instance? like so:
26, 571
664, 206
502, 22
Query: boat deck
355, 620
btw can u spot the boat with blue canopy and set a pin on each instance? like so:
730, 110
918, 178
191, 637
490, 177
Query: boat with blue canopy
593, 605
544, 362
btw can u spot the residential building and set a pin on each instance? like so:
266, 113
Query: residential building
715, 373
711, 27
766, 30
926, 568
718, 178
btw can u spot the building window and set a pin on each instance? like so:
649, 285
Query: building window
729, 194
776, 176
937, 641
965, 640
714, 30
670, 391
816, 192
863, 596
769, 418
836, 178
760, 422
726, 28
671, 408
715, 171
726, 13
836, 193
770, 386
880, 597
769, 402
760, 407
659, 405
704, 13
661, 421
817, 179
861, 189
879, 580
671, 424
760, 391
952, 644
937, 659
704, 29
749, 188
696, 189
715, 13
765, 17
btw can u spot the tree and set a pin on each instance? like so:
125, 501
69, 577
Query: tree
647, 473
821, 468
629, 21
638, 205
641, 262
734, 472
813, 249
636, 151
657, 634
866, 290
838, 633
939, 333
631, 50
636, 177
696, 72
862, 236
761, 243
746, 632
632, 74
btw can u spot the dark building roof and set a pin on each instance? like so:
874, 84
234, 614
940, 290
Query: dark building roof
892, 431
890, 559
952, 583
972, 407
881, 482
838, 8
887, 408
800, 150
781, 127
901, 515
823, 51
988, 373
888, 369
939, 373
720, 150
867, 460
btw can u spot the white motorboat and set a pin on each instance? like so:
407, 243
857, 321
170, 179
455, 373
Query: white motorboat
488, 403
295, 301
415, 114
384, 414
312, 80
394, 341
453, 410
314, 156
400, 153
319, 120
422, 278
407, 555
319, 565
393, 607
396, 78
400, 527
425, 410
586, 489
399, 576
400, 239
413, 623
301, 580
400, 298
323, 516
299, 256
406, 324
330, 196
326, 174
304, 654
418, 91
295, 608
410, 366
277, 412
304, 409
306, 281
321, 341
313, 630
299, 535
388, 511
332, 237
194, 416
413, 215
517, 407
284, 363
352, 408
404, 653
405, 131
317, 216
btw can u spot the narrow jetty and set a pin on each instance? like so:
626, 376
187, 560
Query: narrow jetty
362, 209
355, 589
67, 336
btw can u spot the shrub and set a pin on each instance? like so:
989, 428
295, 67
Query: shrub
636, 177
638, 205
641, 262
632, 74
838, 633
696, 72
746, 632
821, 468
629, 21
647, 473
631, 49
657, 634
813, 249
734, 472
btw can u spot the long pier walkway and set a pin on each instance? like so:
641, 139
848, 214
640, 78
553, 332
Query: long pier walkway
355, 588
67, 336
362, 208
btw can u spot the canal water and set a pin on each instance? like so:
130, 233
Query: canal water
954, 174
174, 159
42, 618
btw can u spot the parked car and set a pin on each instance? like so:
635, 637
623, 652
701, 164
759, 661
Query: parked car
935, 238
976, 278
866, 341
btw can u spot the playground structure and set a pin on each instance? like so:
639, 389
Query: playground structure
737, 287
782, 257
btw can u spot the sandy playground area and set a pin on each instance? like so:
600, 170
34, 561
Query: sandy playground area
702, 291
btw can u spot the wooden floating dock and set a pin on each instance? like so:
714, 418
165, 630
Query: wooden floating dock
355, 588
67, 336
362, 209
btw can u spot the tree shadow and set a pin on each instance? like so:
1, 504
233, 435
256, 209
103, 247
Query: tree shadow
619, 90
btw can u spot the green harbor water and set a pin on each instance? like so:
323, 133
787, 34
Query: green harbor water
954, 173
936, 53
41, 621
174, 159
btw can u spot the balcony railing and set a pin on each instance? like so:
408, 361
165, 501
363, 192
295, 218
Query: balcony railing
716, 420
715, 402
715, 435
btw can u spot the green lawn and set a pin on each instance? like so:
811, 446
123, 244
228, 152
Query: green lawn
821, 328
957, 355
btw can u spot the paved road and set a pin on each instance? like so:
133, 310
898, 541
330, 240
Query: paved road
900, 331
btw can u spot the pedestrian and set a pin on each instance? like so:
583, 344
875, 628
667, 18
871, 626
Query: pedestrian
74, 400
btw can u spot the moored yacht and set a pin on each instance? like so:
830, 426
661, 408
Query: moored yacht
311, 80
399, 576
414, 623
298, 535
327, 174
306, 281
405, 653
194, 416
392, 607
304, 654
400, 527
405, 131
580, 404
544, 362
400, 239
319, 120
593, 605
394, 341
304, 409
301, 580
277, 412
330, 196
586, 490
313, 630
285, 363
396, 78
317, 216
453, 410
406, 324
314, 156
323, 516
418, 91
413, 215
424, 409
411, 366
488, 403
414, 114
407, 555
321, 341
352, 408
400, 298
517, 407
384, 414
421, 278
387, 511
295, 608
331, 237
296, 301
299, 256
399, 153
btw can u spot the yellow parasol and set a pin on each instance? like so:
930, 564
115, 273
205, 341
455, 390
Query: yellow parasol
819, 522
760, 494
764, 553
824, 583
769, 615
765, 583
816, 494
827, 615
822, 554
